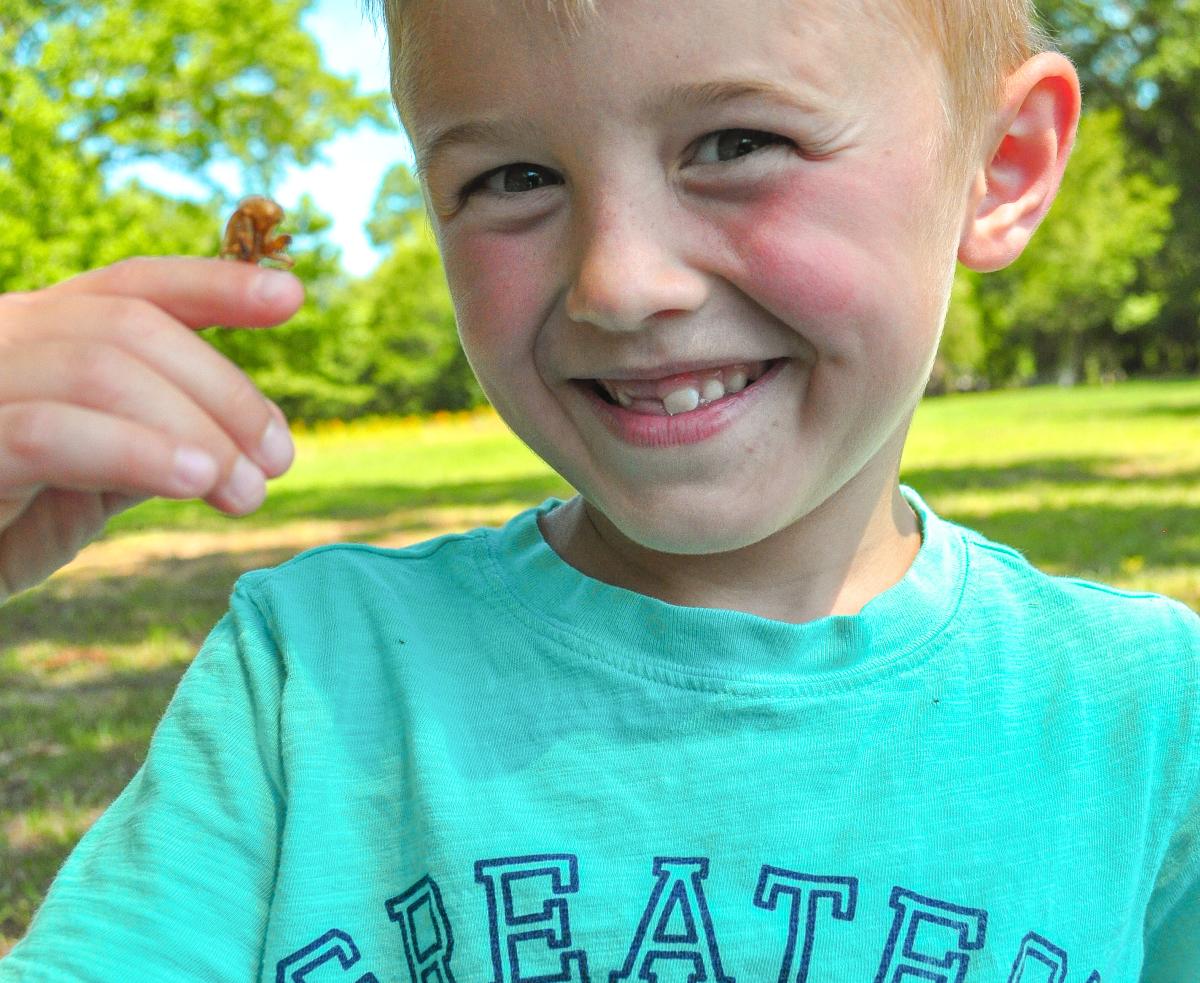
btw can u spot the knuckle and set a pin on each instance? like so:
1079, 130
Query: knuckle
95, 374
15, 314
27, 431
139, 319
245, 403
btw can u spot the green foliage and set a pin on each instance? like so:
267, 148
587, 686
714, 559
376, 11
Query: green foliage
386, 344
1141, 57
311, 366
398, 213
1060, 309
963, 347
404, 308
1063, 296
184, 81
87, 87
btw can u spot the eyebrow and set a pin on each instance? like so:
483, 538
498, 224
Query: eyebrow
680, 98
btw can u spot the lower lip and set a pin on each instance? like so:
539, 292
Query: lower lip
645, 430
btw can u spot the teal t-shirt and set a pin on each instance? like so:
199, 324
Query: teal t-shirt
466, 760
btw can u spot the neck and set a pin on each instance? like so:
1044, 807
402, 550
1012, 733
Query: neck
851, 548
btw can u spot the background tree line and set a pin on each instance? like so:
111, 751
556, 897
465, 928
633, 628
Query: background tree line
1110, 286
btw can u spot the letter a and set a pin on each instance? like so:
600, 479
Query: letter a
670, 929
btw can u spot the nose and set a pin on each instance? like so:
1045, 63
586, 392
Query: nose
628, 268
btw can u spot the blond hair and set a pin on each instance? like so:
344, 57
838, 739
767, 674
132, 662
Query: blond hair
979, 43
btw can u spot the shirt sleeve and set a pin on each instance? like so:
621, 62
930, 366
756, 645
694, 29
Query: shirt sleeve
174, 881
1173, 919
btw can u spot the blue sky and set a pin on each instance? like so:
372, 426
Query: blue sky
344, 186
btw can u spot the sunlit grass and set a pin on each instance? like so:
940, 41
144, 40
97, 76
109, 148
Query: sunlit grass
1099, 482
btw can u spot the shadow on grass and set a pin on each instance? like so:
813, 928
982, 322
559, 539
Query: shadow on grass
359, 502
1069, 471
58, 776
1190, 410
185, 596
1088, 540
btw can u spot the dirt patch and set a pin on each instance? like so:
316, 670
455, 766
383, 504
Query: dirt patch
127, 554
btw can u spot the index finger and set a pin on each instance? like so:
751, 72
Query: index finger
197, 291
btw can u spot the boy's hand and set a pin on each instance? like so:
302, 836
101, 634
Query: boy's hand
107, 398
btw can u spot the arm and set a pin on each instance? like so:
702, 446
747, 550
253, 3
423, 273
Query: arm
1173, 937
174, 881
1173, 916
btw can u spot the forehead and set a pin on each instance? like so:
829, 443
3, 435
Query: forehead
463, 56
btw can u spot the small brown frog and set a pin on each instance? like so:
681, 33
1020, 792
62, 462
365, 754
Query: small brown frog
248, 233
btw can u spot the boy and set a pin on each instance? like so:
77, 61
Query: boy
744, 709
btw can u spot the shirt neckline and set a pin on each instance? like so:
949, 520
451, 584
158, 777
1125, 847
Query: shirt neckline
731, 646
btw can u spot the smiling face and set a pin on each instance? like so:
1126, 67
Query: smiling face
675, 199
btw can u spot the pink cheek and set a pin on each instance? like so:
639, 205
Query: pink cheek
496, 288
784, 252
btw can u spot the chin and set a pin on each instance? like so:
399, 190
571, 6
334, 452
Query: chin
690, 531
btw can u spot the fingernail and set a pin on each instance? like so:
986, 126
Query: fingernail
194, 470
275, 287
275, 451
245, 487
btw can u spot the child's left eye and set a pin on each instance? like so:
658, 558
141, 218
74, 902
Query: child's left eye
727, 145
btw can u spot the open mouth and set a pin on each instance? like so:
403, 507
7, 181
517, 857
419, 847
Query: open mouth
683, 393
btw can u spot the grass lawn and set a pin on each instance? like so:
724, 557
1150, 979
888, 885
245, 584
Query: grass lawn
1095, 482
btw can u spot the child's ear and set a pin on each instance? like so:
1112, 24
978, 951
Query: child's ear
1035, 131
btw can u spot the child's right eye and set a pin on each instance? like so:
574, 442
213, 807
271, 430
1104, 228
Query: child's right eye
512, 179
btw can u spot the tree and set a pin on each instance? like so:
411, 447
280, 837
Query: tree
311, 366
1141, 57
1072, 290
404, 315
85, 87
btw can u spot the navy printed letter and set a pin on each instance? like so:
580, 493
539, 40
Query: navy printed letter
903, 959
428, 940
1050, 960
677, 897
334, 944
550, 927
774, 881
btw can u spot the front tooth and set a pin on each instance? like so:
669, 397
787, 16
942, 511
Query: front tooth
681, 401
735, 382
624, 398
713, 390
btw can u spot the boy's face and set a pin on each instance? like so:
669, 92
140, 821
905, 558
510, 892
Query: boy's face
679, 186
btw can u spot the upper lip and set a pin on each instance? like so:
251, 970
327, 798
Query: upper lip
662, 371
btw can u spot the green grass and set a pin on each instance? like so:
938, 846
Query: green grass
1099, 482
